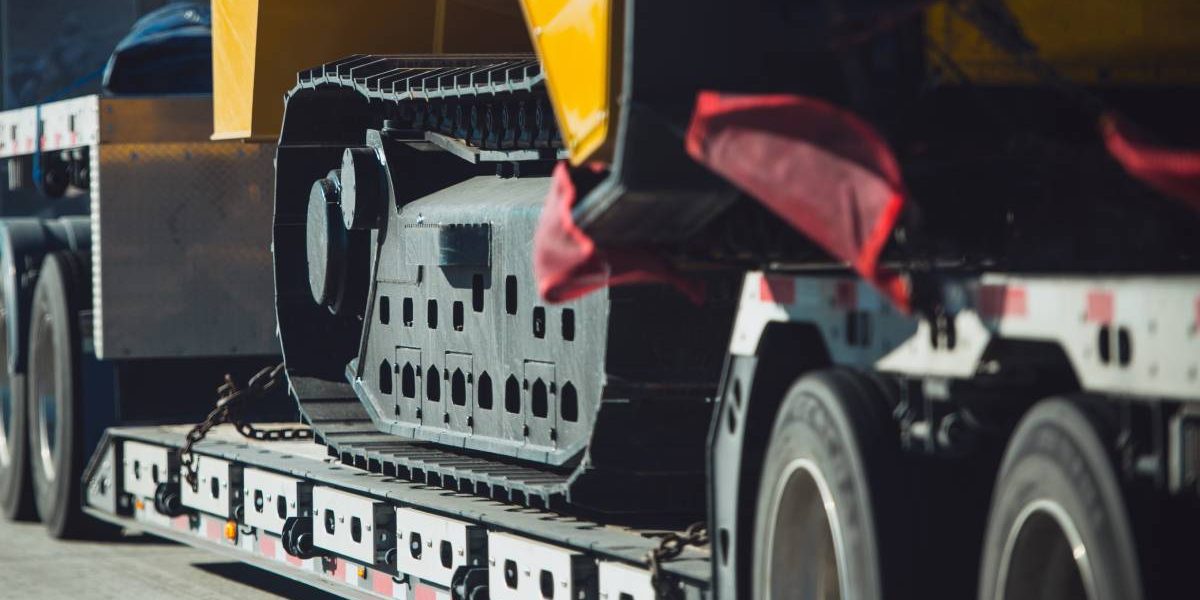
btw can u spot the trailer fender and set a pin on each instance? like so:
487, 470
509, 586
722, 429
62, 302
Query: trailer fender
752, 390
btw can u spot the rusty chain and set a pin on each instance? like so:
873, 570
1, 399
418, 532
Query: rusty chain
671, 546
230, 399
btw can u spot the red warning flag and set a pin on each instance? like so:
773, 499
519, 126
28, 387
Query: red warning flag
820, 168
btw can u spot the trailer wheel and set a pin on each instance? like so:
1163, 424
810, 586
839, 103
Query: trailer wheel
16, 494
1058, 526
56, 395
823, 524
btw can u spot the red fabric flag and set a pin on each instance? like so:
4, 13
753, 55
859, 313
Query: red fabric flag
568, 264
1172, 171
820, 168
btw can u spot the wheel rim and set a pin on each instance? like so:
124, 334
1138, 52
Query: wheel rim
804, 555
6, 399
1044, 557
44, 394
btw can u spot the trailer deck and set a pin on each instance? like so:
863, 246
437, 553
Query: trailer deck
522, 551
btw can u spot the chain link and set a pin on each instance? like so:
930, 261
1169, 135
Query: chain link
230, 400
671, 546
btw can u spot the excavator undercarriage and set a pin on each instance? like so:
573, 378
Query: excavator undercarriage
415, 338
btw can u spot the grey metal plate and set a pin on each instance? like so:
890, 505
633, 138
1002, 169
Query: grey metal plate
183, 232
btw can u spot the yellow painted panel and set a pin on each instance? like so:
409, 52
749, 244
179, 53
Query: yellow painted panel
233, 66
574, 39
1098, 41
260, 45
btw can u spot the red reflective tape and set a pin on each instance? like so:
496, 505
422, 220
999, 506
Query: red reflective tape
214, 530
424, 592
58, 138
294, 561
180, 522
382, 583
266, 546
1001, 301
845, 295
74, 138
1099, 307
777, 290
339, 569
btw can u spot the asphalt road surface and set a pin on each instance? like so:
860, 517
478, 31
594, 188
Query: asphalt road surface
129, 566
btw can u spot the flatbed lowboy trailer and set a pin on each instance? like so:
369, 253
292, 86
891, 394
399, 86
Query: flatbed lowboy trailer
371, 535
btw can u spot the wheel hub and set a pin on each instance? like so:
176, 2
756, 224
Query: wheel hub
1044, 557
805, 552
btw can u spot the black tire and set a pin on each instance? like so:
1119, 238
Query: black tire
56, 395
833, 442
1057, 494
16, 491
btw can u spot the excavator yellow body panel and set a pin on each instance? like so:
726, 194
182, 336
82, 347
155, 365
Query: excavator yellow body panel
576, 41
260, 45
1101, 42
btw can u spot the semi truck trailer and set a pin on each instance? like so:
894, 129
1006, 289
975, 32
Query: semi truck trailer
625, 299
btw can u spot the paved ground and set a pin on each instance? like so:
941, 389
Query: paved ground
130, 567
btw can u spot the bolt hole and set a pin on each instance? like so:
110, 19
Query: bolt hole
484, 391
568, 324
458, 317
1104, 344
355, 529
477, 292
407, 312
510, 294
281, 506
510, 574
385, 377
539, 322
512, 395
408, 381
385, 310
458, 388
433, 385
539, 400
569, 403
330, 521
431, 315
214, 487
546, 583
1124, 347
414, 545
447, 554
